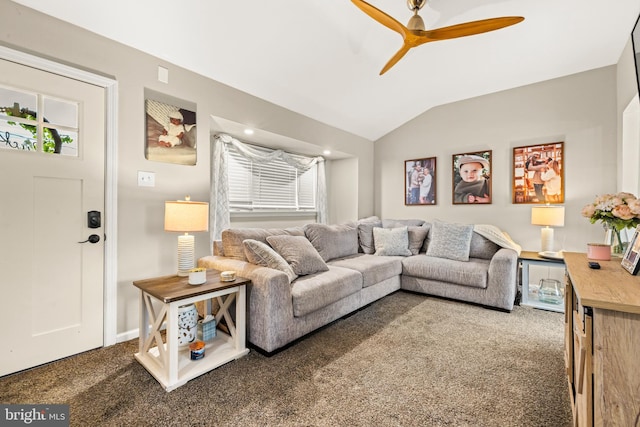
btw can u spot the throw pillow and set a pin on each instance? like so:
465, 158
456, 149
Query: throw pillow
299, 253
391, 241
365, 235
451, 241
259, 253
417, 236
333, 241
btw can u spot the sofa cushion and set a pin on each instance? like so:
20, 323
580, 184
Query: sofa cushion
395, 223
313, 292
232, 238
425, 244
481, 247
299, 253
333, 241
374, 269
417, 236
259, 253
473, 273
365, 234
451, 241
391, 241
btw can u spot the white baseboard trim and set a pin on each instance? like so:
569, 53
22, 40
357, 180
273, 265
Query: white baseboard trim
133, 334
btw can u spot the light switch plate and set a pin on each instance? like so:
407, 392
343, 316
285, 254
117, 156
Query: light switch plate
146, 179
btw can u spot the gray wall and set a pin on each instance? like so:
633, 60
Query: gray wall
578, 109
144, 249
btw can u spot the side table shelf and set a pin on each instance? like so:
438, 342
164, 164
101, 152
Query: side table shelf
170, 364
529, 293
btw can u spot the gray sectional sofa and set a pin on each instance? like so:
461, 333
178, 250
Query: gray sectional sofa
303, 278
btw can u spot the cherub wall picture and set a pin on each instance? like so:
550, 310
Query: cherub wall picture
538, 173
472, 178
420, 181
171, 130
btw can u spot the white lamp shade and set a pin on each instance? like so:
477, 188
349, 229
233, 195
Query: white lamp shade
552, 216
185, 216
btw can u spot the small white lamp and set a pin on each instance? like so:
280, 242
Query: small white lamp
548, 216
184, 216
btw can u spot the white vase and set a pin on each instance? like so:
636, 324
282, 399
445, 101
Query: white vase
187, 324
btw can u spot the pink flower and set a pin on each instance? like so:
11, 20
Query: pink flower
588, 211
634, 205
623, 212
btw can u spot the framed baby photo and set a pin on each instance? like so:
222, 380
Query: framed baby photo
170, 129
538, 173
632, 254
472, 178
420, 181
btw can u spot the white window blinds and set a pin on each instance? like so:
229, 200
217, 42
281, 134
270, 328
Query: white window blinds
269, 186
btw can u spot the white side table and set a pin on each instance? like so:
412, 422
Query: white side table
529, 290
170, 364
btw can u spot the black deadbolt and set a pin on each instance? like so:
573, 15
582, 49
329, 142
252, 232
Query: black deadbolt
93, 219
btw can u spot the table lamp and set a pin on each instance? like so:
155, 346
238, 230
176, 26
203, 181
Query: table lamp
548, 216
184, 216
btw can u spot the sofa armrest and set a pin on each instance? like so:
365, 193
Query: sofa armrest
503, 272
269, 301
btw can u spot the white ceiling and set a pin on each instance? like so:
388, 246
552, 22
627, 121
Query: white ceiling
321, 58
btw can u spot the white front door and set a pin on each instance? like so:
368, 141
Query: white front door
52, 148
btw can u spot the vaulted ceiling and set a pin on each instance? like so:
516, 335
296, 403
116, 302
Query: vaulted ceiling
321, 58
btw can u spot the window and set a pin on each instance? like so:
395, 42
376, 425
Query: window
256, 186
38, 123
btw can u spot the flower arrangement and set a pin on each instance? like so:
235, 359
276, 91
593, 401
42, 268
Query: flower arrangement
616, 212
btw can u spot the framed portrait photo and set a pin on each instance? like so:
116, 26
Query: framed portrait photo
471, 178
420, 181
632, 254
170, 129
538, 173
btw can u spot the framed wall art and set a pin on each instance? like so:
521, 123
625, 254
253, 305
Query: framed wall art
420, 181
538, 173
632, 254
472, 178
170, 129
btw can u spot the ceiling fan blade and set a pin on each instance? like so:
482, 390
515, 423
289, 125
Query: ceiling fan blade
471, 28
399, 54
381, 17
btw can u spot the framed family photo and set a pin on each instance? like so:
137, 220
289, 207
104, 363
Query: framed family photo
538, 173
420, 181
170, 129
632, 254
472, 178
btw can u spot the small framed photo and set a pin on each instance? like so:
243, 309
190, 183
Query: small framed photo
632, 254
472, 178
420, 181
538, 173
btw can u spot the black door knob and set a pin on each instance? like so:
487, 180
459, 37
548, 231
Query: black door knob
94, 238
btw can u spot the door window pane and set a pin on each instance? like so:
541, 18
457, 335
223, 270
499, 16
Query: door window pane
22, 127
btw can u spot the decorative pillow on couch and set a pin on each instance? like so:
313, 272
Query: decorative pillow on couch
451, 241
417, 236
299, 253
365, 233
333, 241
259, 253
391, 241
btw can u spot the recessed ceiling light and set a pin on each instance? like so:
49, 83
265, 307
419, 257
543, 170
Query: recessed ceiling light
326, 152
248, 131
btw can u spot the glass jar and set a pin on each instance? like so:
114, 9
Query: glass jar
550, 291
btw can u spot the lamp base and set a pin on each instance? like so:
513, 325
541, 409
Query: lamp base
186, 244
547, 239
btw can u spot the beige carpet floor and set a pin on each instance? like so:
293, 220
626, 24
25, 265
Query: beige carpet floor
406, 360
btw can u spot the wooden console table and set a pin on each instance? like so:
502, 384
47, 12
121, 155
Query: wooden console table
170, 365
602, 342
